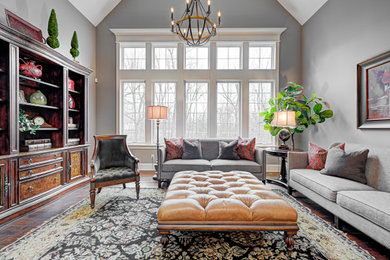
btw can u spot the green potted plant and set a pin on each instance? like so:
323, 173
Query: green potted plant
308, 111
26, 124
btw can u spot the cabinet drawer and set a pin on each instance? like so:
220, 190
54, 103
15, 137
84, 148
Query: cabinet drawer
40, 170
35, 187
33, 160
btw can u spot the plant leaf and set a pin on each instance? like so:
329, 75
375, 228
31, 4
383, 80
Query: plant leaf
317, 108
326, 113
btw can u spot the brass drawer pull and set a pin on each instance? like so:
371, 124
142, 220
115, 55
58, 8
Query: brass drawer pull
30, 172
56, 165
30, 189
30, 161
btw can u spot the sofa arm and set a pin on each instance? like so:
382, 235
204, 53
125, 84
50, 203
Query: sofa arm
260, 159
297, 160
161, 159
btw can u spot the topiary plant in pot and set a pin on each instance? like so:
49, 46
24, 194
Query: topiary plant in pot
309, 111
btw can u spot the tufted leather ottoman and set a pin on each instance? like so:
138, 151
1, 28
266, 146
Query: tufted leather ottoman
223, 201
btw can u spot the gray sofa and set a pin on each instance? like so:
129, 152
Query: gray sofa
366, 207
209, 161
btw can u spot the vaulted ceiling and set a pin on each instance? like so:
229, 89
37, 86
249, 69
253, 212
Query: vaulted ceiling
301, 10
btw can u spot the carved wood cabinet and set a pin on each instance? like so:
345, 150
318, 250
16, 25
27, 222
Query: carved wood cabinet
36, 167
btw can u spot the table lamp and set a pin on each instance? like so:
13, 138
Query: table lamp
157, 113
284, 119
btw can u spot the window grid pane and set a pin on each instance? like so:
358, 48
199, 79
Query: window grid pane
259, 94
228, 109
260, 58
197, 58
196, 109
228, 58
134, 58
165, 95
133, 111
165, 58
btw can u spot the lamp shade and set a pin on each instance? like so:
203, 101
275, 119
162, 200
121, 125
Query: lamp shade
157, 112
284, 119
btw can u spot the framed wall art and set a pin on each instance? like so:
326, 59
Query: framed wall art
373, 86
20, 25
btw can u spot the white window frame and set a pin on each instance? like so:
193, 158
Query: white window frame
130, 45
185, 58
273, 53
155, 37
231, 44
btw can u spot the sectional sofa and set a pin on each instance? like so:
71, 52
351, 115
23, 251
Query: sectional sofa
366, 207
209, 161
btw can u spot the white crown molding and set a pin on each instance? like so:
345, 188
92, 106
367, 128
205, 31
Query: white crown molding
223, 34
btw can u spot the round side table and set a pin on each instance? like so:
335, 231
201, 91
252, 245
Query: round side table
282, 153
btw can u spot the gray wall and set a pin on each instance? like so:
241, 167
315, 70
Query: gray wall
155, 14
37, 12
338, 37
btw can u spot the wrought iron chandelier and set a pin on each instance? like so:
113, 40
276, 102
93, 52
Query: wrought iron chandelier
195, 27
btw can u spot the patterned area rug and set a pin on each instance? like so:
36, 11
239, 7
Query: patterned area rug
121, 227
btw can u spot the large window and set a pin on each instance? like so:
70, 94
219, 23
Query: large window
212, 91
164, 58
165, 95
228, 57
133, 111
134, 58
196, 58
261, 57
228, 109
196, 109
259, 94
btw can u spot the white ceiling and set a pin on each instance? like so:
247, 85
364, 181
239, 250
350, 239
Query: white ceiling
302, 10
96, 13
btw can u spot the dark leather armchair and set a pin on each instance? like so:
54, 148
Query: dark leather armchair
112, 163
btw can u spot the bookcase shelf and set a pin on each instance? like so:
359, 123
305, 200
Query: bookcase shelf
39, 106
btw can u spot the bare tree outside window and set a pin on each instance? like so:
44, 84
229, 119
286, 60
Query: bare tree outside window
165, 58
165, 95
196, 109
133, 111
259, 94
228, 109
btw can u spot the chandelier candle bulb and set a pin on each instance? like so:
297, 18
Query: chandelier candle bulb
209, 4
219, 17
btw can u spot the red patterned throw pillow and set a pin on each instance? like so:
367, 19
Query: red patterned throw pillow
317, 155
174, 148
246, 149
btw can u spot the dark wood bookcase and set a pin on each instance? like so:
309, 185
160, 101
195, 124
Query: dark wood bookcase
30, 177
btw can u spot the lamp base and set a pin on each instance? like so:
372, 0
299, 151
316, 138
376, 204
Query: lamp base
284, 135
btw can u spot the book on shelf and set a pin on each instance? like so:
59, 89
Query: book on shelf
36, 141
35, 147
73, 126
73, 141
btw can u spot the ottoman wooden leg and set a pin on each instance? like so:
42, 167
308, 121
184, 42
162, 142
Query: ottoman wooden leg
164, 239
288, 238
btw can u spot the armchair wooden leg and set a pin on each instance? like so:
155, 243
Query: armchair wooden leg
137, 187
124, 185
288, 238
99, 190
92, 195
164, 239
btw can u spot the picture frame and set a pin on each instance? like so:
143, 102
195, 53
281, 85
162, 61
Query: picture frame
373, 93
24, 27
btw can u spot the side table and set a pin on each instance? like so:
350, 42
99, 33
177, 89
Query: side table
282, 153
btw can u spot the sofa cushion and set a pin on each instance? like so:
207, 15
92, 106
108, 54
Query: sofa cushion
326, 186
174, 148
371, 205
235, 165
228, 151
186, 165
114, 174
192, 149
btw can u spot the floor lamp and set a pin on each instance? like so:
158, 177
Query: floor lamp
157, 113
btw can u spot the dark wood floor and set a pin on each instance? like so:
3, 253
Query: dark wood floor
15, 229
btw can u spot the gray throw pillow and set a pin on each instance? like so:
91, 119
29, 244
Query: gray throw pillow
228, 150
348, 165
192, 150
